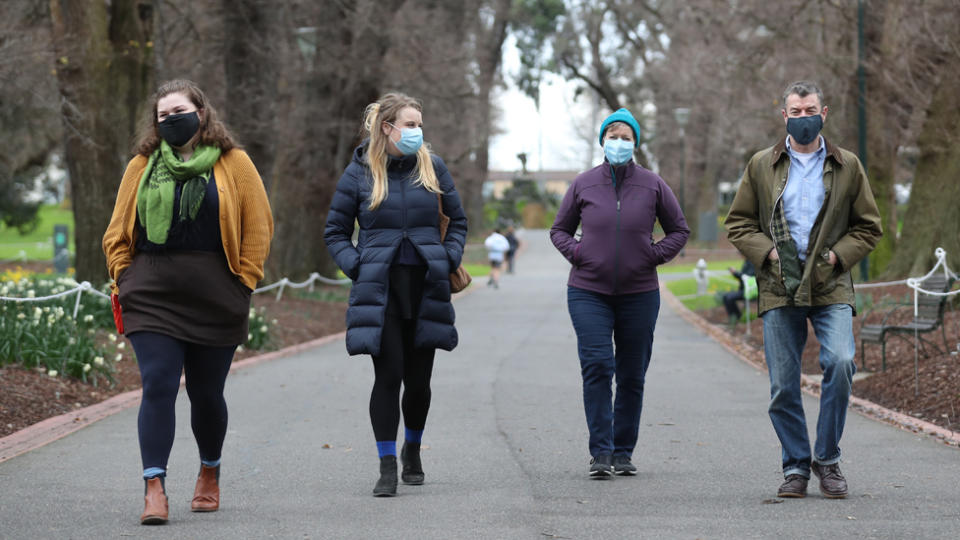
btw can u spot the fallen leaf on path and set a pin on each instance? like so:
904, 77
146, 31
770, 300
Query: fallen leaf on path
772, 501
326, 446
666, 424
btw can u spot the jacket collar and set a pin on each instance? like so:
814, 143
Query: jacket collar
624, 171
780, 151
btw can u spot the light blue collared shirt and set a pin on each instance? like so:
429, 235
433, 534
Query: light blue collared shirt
803, 195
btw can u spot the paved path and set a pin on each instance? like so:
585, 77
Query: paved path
507, 453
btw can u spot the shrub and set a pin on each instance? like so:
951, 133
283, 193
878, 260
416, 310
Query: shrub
44, 334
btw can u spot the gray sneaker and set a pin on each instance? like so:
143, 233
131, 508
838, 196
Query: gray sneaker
623, 466
601, 467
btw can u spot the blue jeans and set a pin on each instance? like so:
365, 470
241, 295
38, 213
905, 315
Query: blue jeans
784, 336
602, 321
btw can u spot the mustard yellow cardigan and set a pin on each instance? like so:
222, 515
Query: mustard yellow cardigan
246, 223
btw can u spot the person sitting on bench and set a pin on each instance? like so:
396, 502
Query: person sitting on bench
730, 299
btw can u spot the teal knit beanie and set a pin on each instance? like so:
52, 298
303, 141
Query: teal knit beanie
622, 115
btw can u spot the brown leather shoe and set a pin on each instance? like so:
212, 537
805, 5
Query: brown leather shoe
155, 508
206, 496
832, 483
794, 487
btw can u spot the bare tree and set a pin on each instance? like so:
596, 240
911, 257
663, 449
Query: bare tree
104, 71
28, 101
933, 215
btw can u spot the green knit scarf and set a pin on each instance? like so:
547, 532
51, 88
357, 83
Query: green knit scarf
156, 191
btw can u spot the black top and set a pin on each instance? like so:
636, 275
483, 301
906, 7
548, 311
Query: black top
200, 234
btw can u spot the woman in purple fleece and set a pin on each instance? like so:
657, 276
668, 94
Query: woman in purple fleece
612, 293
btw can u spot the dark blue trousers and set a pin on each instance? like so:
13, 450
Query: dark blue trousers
614, 340
161, 359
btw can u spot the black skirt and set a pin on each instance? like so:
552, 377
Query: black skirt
188, 295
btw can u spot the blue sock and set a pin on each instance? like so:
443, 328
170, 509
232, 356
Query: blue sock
412, 435
387, 448
215, 463
153, 472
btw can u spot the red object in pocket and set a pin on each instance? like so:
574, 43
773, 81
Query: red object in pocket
117, 312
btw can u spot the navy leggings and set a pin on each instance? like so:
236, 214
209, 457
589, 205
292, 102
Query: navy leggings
399, 362
161, 359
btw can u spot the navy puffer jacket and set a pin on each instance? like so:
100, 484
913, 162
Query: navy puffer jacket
409, 211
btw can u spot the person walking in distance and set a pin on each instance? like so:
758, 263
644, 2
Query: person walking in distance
612, 292
804, 215
400, 310
185, 247
497, 246
514, 242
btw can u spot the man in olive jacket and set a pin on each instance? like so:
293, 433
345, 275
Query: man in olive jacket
804, 215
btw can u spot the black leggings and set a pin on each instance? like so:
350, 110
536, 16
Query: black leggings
398, 362
161, 359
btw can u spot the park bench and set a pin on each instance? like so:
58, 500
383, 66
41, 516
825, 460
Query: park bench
929, 317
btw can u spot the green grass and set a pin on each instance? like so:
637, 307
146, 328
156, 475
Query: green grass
38, 245
688, 267
683, 287
477, 270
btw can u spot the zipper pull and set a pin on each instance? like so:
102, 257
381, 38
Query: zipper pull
618, 205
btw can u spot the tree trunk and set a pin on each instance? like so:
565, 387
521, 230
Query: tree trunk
488, 61
251, 68
104, 72
882, 142
933, 214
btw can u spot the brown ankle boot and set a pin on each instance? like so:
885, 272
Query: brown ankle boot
206, 496
155, 509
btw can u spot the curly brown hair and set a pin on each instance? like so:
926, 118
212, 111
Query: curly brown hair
213, 132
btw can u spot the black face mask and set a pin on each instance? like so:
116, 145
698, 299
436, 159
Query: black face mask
178, 129
805, 129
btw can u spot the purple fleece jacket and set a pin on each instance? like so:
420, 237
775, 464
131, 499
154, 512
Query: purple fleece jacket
616, 253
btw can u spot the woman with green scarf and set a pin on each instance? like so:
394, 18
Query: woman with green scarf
185, 247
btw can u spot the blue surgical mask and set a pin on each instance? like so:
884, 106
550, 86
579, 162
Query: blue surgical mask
618, 151
805, 129
410, 140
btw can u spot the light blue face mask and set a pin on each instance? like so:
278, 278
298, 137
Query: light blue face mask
618, 151
410, 140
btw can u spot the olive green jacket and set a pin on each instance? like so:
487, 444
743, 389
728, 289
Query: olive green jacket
848, 224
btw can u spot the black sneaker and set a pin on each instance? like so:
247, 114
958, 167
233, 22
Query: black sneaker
601, 467
623, 466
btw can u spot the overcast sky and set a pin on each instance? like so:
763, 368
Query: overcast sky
560, 130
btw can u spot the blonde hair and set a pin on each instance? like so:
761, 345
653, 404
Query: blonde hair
383, 110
